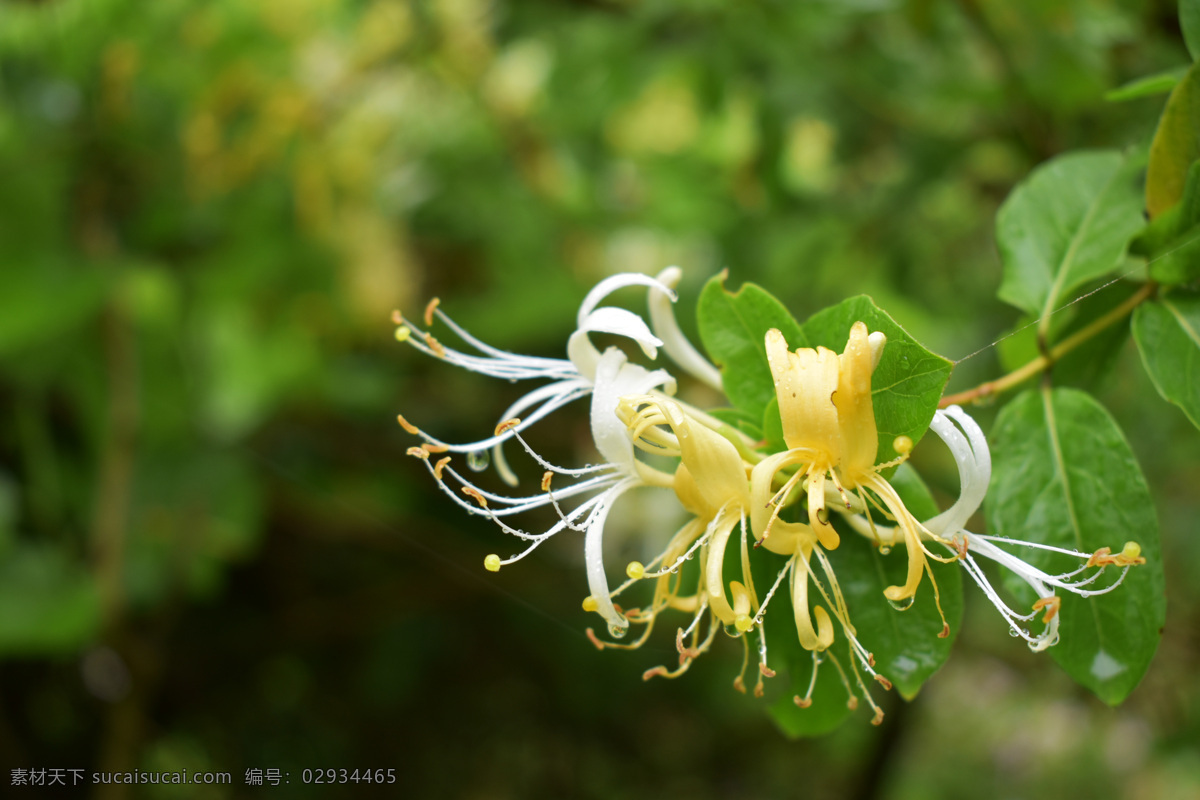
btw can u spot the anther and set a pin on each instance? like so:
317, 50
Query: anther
739, 685
397, 317
429, 309
434, 448
473, 493
877, 720
884, 682
803, 702
435, 346
439, 466
546, 480
408, 426
418, 452
945, 634
1052, 604
507, 425
492, 563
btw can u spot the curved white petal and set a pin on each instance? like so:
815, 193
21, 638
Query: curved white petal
681, 351
617, 378
611, 284
622, 323
974, 468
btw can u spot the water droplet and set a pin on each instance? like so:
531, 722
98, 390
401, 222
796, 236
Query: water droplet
478, 460
884, 550
731, 630
617, 631
1013, 633
674, 570
902, 605
690, 556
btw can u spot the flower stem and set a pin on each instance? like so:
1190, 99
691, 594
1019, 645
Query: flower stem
1044, 362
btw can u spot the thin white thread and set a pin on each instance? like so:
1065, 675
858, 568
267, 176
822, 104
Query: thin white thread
1102, 287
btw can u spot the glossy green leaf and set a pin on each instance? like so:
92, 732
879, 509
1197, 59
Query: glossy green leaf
1189, 23
908, 381
1160, 83
733, 328
1063, 475
1168, 337
1091, 362
1176, 145
1068, 223
1171, 243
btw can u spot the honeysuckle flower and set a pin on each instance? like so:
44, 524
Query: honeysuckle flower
711, 483
606, 376
829, 427
969, 446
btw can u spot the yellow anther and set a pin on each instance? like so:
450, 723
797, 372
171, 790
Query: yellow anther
635, 570
546, 480
743, 622
507, 425
402, 333
397, 317
492, 563
439, 466
435, 448
435, 346
419, 452
473, 493
902, 445
803, 702
408, 426
590, 604
1052, 604
429, 309
884, 682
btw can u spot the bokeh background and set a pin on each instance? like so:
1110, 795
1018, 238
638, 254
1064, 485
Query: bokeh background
214, 554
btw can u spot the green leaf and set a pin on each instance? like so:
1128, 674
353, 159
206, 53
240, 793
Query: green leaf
906, 644
1171, 243
1189, 23
1063, 475
1168, 337
1068, 223
733, 328
1176, 145
1160, 83
1088, 364
908, 382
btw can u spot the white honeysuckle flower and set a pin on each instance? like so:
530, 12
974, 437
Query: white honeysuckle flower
970, 449
606, 376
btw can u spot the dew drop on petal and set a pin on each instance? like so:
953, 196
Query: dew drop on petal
478, 460
617, 631
884, 550
902, 605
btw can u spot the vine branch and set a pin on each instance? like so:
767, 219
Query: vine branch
1048, 359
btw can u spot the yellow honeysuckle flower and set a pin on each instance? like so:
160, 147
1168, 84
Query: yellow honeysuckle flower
829, 427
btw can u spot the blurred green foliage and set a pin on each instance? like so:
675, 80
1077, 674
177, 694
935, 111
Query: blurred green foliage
212, 553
